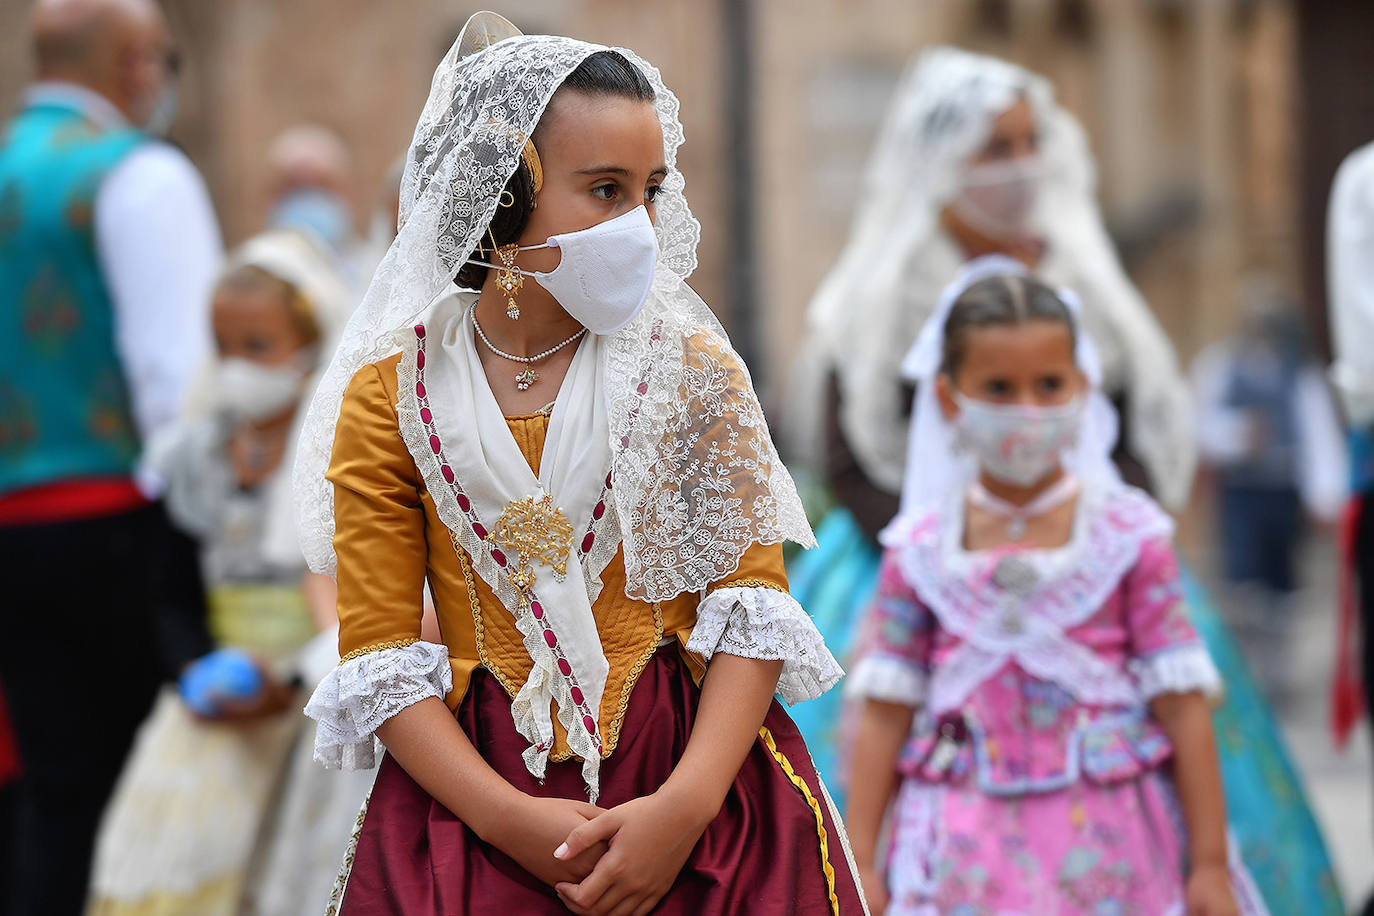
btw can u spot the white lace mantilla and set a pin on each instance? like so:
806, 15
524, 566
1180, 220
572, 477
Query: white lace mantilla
697, 478
362, 693
1179, 669
764, 623
1024, 611
484, 103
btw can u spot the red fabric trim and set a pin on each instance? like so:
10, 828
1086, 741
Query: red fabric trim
1347, 693
71, 500
10, 769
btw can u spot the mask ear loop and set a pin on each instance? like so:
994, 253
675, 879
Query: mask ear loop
512, 274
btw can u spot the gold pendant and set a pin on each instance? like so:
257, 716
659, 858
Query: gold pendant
509, 279
536, 531
523, 380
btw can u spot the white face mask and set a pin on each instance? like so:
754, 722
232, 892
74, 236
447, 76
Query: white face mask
998, 198
1016, 444
604, 275
247, 391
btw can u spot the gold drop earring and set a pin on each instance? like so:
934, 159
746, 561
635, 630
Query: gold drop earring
508, 277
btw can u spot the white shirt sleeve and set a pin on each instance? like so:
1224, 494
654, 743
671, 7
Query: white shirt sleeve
1350, 283
1323, 463
1223, 433
160, 250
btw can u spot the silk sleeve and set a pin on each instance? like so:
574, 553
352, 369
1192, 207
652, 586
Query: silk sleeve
380, 542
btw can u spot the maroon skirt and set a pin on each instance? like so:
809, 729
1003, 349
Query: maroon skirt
775, 848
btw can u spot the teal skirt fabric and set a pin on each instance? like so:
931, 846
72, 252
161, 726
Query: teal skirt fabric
1268, 810
1269, 813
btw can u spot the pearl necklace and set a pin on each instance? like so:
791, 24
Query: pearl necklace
1019, 516
526, 377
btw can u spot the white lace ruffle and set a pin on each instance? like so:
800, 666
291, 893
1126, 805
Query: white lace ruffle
764, 623
1178, 669
879, 677
363, 692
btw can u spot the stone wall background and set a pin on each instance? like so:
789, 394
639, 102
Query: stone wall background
1190, 107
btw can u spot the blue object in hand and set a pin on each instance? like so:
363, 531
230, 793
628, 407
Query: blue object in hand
223, 675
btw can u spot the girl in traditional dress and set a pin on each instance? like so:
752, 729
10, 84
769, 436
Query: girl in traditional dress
567, 449
1030, 616
977, 158
195, 799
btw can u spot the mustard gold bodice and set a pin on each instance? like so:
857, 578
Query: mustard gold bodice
390, 541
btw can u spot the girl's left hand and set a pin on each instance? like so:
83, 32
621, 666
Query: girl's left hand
650, 838
1209, 892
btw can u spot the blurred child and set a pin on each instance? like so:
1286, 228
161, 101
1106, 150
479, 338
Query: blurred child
193, 803
1035, 699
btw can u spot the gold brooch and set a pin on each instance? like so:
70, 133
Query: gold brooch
536, 531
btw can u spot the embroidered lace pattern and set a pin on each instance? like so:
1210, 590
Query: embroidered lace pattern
697, 479
363, 692
1069, 586
767, 624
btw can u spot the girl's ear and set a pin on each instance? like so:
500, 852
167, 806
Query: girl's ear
944, 393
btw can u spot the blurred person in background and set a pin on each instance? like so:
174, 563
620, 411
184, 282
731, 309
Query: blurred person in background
976, 157
310, 177
381, 227
1268, 429
1350, 284
196, 800
108, 249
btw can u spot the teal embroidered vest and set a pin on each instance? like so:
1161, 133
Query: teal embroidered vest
64, 406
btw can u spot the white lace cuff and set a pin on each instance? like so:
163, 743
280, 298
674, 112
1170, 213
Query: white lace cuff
881, 677
362, 693
1179, 669
765, 623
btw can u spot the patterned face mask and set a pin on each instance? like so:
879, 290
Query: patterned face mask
1014, 443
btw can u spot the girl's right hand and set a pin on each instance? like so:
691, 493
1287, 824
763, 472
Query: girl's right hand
530, 833
874, 888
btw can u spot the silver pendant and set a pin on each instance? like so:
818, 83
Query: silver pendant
1016, 528
523, 380
1015, 575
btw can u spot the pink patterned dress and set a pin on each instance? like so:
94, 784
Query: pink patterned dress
1035, 781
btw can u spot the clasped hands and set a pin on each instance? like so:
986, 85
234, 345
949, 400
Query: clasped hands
616, 862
